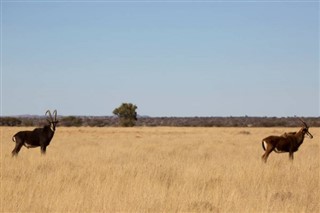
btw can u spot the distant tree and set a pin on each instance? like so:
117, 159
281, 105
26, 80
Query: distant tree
127, 114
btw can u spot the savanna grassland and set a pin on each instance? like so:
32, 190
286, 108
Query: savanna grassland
147, 169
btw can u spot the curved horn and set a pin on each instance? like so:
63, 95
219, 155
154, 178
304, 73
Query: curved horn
48, 111
55, 115
304, 123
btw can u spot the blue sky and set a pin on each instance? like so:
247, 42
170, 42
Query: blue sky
183, 58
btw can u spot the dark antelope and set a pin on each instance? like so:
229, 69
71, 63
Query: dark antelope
288, 142
38, 137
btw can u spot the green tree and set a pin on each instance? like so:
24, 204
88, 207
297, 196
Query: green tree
127, 114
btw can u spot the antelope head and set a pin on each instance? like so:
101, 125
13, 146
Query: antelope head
52, 119
305, 129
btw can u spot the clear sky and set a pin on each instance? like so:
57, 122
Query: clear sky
181, 58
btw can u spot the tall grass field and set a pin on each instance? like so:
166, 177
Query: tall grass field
159, 169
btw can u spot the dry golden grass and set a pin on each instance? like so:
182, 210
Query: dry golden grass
159, 170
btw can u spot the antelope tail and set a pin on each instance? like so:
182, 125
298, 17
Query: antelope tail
264, 148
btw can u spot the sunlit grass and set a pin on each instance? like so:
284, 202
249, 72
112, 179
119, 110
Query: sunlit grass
159, 170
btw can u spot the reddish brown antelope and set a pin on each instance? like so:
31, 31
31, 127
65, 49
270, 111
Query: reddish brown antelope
38, 137
288, 142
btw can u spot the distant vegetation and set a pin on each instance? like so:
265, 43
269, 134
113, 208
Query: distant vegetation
112, 121
127, 114
10, 121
